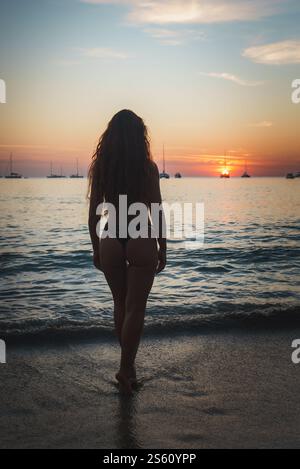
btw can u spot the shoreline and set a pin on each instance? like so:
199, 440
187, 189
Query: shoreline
276, 319
223, 389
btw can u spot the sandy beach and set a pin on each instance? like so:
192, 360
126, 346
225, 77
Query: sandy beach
222, 389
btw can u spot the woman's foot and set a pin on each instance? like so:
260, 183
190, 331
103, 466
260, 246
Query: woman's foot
125, 383
132, 378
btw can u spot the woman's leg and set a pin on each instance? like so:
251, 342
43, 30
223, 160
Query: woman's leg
113, 264
142, 260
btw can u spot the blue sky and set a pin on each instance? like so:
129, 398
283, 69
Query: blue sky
205, 75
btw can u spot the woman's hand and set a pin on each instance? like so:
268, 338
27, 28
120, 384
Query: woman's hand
96, 260
162, 260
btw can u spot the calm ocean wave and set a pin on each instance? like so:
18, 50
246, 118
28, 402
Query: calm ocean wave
248, 268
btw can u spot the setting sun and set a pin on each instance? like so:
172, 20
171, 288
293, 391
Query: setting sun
225, 173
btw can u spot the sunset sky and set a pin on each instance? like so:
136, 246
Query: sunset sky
206, 76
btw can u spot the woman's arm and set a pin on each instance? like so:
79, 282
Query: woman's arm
95, 199
155, 197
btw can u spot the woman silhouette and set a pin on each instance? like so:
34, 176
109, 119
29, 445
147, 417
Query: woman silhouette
122, 165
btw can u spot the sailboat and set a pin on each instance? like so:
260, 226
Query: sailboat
77, 175
225, 173
55, 176
12, 175
245, 174
164, 175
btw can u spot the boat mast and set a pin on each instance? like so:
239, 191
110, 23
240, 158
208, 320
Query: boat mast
164, 166
77, 167
11, 163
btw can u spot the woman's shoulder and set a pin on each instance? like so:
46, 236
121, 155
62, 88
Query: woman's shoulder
152, 189
153, 169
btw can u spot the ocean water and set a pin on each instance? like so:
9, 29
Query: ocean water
248, 267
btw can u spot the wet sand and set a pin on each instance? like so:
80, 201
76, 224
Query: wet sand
217, 390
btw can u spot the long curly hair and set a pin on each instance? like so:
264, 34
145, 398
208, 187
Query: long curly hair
122, 159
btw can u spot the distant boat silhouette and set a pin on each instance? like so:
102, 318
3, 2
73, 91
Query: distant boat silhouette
297, 175
225, 173
178, 176
12, 175
246, 174
55, 176
290, 176
164, 175
77, 175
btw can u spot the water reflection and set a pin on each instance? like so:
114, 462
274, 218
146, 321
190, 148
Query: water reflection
127, 434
